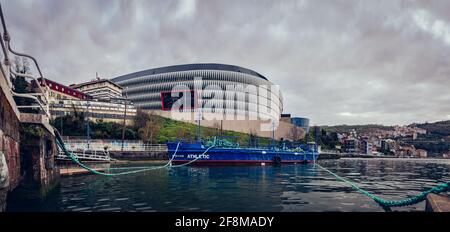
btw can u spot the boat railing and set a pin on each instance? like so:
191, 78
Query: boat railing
267, 149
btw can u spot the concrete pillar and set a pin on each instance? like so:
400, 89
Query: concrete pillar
38, 151
26, 158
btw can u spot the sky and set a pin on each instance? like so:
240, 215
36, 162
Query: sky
336, 62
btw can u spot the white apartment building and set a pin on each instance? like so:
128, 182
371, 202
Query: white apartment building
96, 111
101, 89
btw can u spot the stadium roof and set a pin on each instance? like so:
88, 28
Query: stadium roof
188, 67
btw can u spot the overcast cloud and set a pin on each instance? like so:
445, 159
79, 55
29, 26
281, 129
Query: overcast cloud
336, 62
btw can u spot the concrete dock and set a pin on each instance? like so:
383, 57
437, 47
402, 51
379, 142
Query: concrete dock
437, 203
77, 171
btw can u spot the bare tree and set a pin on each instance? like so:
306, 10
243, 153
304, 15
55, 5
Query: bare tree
20, 83
141, 118
253, 138
217, 127
151, 128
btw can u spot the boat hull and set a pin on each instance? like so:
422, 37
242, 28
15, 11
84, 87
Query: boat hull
186, 153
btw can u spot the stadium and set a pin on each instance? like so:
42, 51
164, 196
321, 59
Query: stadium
225, 89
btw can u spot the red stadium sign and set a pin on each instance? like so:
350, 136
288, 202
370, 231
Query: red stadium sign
188, 99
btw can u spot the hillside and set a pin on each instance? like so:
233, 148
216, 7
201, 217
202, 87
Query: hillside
440, 128
358, 128
149, 128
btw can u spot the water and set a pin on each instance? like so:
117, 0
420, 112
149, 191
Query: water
247, 188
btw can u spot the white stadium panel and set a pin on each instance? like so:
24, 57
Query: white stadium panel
144, 88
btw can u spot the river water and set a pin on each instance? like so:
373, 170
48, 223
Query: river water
301, 187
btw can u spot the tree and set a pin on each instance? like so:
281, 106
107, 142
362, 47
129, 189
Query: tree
218, 127
74, 125
148, 132
141, 118
21, 85
151, 128
253, 138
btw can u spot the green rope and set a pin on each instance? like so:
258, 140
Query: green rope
75, 160
444, 187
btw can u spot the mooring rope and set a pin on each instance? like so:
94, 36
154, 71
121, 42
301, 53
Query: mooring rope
74, 159
440, 188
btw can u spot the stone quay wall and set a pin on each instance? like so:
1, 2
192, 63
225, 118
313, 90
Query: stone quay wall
10, 175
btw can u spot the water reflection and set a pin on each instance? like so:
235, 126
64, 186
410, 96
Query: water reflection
247, 188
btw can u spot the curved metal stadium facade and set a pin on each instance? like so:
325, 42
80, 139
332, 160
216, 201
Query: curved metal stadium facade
144, 88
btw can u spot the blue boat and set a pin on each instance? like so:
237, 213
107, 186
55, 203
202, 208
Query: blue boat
198, 153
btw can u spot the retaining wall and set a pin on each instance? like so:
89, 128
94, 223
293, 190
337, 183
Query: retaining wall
9, 143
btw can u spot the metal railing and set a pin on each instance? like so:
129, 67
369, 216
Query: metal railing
40, 97
330, 151
114, 145
94, 156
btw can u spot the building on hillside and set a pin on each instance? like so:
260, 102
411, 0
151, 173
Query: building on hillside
402, 131
365, 147
340, 137
421, 153
351, 145
95, 111
64, 100
101, 89
406, 151
446, 155
353, 133
388, 146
